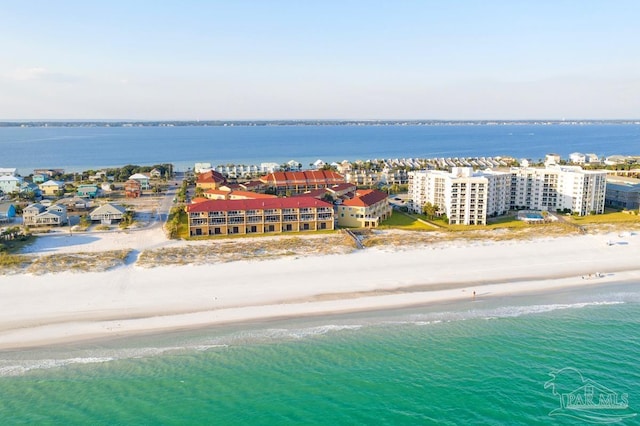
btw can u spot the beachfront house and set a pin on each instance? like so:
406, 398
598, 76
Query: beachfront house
142, 179
367, 209
155, 174
108, 213
132, 189
7, 212
39, 178
87, 191
8, 171
39, 215
274, 215
52, 188
30, 189
10, 184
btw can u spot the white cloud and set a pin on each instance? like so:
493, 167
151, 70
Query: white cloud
40, 74
24, 74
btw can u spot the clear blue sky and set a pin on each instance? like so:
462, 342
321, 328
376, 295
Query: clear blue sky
270, 59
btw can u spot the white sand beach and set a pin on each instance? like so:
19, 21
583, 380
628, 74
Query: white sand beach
66, 307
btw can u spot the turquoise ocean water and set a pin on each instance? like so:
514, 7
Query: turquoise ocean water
477, 362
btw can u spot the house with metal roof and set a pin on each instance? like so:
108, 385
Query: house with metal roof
39, 215
108, 213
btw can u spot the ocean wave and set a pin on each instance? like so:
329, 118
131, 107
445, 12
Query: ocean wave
25, 366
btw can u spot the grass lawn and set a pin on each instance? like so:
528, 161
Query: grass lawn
611, 217
404, 221
505, 222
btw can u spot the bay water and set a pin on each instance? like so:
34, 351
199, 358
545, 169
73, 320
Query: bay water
83, 148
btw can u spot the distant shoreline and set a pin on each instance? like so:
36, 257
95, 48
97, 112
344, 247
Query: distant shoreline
223, 123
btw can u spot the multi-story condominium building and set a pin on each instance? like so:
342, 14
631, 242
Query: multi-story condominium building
365, 210
558, 188
292, 183
466, 197
222, 217
623, 193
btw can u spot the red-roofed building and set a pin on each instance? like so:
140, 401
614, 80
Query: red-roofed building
366, 210
292, 183
210, 180
257, 216
222, 194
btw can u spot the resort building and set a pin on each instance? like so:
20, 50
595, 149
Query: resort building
468, 197
223, 217
291, 183
622, 193
39, 215
558, 188
365, 210
210, 180
202, 168
464, 196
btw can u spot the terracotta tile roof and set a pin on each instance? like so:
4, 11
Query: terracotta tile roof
216, 192
304, 177
198, 200
249, 195
366, 198
262, 204
342, 187
211, 177
316, 193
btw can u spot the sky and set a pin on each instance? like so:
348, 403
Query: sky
343, 59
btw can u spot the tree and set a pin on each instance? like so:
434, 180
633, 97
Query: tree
429, 210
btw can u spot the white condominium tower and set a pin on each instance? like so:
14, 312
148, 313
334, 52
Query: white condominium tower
466, 197
558, 188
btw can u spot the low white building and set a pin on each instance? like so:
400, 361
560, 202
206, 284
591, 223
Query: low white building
7, 171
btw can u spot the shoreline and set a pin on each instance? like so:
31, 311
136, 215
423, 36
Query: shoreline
63, 308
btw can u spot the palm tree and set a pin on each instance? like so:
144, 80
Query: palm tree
429, 210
